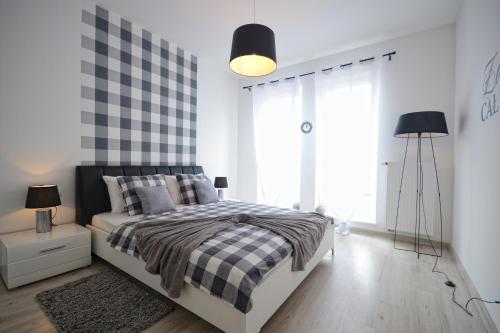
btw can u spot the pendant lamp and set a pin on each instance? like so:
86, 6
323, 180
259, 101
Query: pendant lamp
253, 52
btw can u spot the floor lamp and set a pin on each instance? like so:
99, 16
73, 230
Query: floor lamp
421, 125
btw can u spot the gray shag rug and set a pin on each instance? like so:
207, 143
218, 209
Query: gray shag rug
105, 302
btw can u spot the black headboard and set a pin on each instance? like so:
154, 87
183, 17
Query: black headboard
91, 191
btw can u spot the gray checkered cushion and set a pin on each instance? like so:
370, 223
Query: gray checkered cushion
128, 185
186, 185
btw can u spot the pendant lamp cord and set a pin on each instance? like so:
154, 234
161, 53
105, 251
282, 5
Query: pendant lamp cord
254, 11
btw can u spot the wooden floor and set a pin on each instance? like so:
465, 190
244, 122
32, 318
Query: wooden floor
366, 287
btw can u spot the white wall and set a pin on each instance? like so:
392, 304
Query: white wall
476, 227
247, 163
40, 107
40, 104
420, 77
217, 121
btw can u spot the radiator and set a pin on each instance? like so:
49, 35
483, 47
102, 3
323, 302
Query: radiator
407, 209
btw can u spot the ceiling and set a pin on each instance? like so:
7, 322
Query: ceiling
304, 29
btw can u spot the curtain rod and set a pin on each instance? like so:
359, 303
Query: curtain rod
343, 66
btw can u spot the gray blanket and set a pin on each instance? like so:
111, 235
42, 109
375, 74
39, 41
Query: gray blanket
167, 245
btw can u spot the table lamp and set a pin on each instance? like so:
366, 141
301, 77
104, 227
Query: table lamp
43, 198
220, 183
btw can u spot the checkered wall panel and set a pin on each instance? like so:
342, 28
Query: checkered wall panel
138, 94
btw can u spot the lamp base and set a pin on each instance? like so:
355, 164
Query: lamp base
220, 193
43, 220
419, 206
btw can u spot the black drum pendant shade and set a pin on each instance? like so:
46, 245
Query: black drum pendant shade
253, 52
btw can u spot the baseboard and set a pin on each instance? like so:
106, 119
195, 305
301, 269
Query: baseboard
387, 234
471, 290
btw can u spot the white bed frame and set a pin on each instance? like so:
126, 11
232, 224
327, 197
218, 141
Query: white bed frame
275, 288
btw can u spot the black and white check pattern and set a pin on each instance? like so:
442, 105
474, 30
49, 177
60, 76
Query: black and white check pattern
188, 190
128, 184
138, 94
230, 264
122, 238
234, 262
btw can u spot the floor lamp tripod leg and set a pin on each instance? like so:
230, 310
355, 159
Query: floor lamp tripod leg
419, 192
400, 188
439, 197
416, 207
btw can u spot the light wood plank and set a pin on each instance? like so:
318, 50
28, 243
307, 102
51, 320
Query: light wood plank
366, 287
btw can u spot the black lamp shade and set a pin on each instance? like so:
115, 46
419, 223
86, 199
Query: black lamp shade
253, 52
424, 123
42, 196
220, 182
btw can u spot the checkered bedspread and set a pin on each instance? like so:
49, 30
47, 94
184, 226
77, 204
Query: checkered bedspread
232, 263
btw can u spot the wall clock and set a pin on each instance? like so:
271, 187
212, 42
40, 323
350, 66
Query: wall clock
306, 127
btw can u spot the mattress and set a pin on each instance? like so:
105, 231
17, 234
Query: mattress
108, 221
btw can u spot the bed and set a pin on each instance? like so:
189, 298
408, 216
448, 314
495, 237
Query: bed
92, 211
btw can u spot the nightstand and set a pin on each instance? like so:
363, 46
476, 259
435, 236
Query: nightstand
27, 256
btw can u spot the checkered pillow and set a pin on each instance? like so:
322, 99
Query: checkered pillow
128, 185
186, 185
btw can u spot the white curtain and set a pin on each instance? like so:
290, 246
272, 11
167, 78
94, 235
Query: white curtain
276, 110
347, 141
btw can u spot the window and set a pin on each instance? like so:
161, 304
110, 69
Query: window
347, 141
276, 110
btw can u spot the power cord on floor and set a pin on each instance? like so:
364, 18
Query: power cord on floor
448, 282
452, 285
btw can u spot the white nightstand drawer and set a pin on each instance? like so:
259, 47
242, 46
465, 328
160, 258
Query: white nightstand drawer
59, 257
42, 246
47, 272
27, 256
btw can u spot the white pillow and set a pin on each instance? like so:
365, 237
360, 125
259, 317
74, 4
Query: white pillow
173, 189
115, 194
